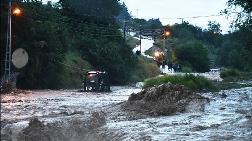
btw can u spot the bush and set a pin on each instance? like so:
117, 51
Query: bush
234, 75
229, 73
196, 83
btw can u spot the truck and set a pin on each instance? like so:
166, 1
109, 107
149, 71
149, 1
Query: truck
96, 81
159, 57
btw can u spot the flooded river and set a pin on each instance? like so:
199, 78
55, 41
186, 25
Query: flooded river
228, 116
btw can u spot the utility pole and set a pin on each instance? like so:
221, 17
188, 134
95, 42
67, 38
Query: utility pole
7, 79
7, 65
164, 40
163, 63
182, 20
140, 42
137, 12
166, 34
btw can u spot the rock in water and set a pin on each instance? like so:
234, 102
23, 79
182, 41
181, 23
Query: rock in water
165, 99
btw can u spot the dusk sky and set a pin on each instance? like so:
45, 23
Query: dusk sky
168, 10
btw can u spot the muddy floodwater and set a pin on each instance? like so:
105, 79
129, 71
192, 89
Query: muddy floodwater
228, 116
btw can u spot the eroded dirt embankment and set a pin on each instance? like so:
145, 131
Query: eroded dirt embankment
164, 100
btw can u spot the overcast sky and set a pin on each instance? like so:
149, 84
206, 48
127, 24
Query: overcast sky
168, 10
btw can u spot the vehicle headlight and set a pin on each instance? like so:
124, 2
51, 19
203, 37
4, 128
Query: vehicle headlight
156, 54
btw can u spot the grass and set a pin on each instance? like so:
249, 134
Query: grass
195, 83
199, 83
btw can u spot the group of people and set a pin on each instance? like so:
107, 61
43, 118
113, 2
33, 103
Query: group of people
159, 57
176, 67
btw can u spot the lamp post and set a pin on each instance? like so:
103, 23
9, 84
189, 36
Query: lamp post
8, 50
166, 34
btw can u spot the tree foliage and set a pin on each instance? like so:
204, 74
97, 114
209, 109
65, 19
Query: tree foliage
194, 55
245, 4
124, 13
99, 11
214, 27
50, 31
145, 24
44, 41
186, 31
236, 51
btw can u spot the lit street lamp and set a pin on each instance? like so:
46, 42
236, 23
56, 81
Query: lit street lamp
16, 11
7, 65
167, 33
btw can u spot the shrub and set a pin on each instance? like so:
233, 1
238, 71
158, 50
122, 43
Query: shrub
229, 73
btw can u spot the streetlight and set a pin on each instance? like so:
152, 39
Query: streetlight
16, 11
167, 33
7, 66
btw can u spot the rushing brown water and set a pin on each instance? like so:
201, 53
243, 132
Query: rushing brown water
67, 115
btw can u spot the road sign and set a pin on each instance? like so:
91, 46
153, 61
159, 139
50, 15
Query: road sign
19, 58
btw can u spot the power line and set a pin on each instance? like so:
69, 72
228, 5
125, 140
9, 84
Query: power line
201, 16
193, 17
112, 26
106, 29
68, 66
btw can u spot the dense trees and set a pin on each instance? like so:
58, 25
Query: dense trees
60, 37
39, 32
99, 40
192, 47
236, 51
72, 36
145, 24
193, 55
245, 4
124, 14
